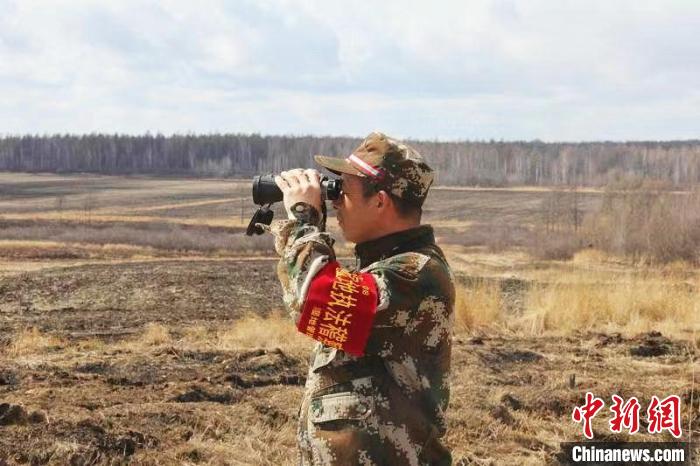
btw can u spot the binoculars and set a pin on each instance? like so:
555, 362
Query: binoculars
266, 192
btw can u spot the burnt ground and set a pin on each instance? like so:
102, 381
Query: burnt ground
107, 300
98, 392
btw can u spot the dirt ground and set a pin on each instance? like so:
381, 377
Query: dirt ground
95, 386
110, 300
137, 326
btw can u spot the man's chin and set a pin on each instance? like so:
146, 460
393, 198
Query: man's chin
343, 232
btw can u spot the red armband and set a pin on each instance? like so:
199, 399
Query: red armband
339, 308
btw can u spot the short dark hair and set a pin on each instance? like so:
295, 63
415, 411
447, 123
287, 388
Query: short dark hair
403, 207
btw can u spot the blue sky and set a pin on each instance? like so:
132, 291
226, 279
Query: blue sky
555, 70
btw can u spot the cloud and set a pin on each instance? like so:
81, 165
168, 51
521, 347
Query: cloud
448, 69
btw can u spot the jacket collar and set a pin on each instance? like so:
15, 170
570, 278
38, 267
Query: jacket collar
394, 243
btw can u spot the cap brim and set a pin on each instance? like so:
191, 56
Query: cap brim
337, 165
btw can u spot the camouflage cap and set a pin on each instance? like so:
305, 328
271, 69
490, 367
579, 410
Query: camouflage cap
393, 165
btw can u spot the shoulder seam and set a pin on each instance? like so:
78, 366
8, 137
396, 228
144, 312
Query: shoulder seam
386, 264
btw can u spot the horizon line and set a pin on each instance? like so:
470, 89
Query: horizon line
5, 136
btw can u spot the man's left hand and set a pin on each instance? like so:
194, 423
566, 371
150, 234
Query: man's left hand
300, 185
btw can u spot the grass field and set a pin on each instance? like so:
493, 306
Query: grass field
139, 326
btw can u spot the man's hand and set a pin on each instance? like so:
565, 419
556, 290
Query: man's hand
300, 186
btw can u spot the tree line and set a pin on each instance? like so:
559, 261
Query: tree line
483, 163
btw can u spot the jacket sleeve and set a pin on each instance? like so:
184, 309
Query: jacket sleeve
303, 249
415, 306
412, 330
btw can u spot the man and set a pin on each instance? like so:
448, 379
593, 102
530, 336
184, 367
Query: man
378, 387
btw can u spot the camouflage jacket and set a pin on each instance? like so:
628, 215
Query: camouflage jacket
387, 406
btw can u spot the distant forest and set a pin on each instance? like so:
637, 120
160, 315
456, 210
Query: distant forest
457, 163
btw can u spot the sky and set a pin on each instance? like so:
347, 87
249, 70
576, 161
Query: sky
553, 70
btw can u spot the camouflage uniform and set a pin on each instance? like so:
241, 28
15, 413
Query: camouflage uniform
387, 406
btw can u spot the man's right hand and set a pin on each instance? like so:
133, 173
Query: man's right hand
300, 185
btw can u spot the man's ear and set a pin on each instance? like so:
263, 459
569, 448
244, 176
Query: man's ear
383, 199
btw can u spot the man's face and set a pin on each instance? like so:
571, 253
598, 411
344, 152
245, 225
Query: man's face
355, 214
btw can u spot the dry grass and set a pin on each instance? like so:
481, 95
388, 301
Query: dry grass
635, 305
579, 302
195, 335
591, 256
31, 341
38, 249
253, 331
178, 205
480, 306
124, 240
647, 224
247, 333
207, 216
155, 334
251, 446
80, 217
